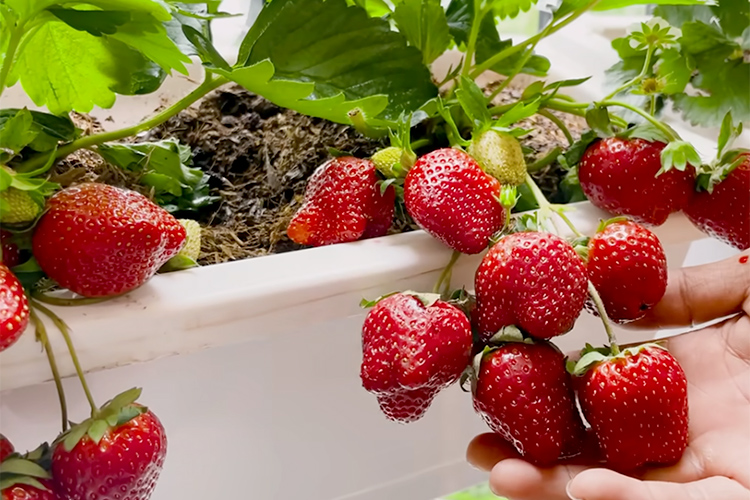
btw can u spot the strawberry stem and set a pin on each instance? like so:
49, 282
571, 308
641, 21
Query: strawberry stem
560, 213
60, 324
446, 275
605, 319
58, 301
41, 336
656, 123
548, 159
637, 79
558, 123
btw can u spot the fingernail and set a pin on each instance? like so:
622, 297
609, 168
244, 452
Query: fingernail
567, 491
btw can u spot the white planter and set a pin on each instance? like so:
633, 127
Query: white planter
254, 368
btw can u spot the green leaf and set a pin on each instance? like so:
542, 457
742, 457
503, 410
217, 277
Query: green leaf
473, 102
646, 131
18, 132
425, 26
165, 167
511, 8
620, 4
50, 128
519, 111
489, 44
324, 59
734, 16
96, 22
459, 15
677, 15
178, 263
205, 48
674, 71
80, 71
598, 119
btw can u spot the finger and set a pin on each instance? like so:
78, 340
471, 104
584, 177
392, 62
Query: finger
702, 293
603, 484
488, 449
517, 479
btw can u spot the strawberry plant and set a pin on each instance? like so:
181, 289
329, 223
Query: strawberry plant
451, 160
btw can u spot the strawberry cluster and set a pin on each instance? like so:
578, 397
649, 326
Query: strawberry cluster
98, 241
530, 287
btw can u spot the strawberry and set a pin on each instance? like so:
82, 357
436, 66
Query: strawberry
533, 280
6, 447
620, 176
382, 210
23, 209
26, 477
192, 247
627, 266
118, 453
14, 308
524, 393
724, 212
636, 402
452, 198
98, 240
11, 255
500, 155
413, 345
341, 199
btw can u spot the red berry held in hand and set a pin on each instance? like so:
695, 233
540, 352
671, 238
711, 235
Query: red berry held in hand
620, 176
724, 213
98, 240
448, 195
342, 203
412, 347
636, 402
533, 280
627, 266
524, 393
14, 308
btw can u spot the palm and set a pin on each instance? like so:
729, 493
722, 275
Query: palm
716, 361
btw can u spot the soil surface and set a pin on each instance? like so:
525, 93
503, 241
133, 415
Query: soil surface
259, 157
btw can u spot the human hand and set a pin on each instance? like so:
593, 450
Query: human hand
716, 361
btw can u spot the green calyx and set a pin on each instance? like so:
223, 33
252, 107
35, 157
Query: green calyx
26, 469
427, 299
115, 413
591, 357
727, 158
188, 255
500, 155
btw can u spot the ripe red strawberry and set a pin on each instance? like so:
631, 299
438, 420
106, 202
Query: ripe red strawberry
533, 280
99, 240
448, 195
627, 266
21, 491
6, 447
342, 204
636, 402
412, 347
620, 176
524, 393
11, 255
111, 462
26, 477
380, 214
14, 308
724, 213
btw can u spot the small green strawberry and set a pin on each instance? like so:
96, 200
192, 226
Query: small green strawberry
393, 161
500, 155
192, 247
22, 208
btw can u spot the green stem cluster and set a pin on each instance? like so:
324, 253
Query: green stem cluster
443, 283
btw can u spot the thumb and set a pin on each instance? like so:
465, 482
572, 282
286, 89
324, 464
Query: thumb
604, 484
